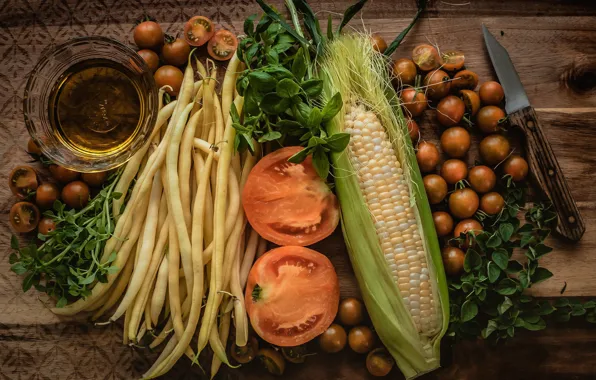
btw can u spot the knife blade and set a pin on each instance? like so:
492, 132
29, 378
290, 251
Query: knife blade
542, 161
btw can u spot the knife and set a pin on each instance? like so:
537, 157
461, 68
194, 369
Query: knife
541, 159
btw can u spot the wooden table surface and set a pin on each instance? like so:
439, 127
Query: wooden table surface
553, 46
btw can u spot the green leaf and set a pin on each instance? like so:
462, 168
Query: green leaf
561, 302
18, 268
249, 25
312, 87
272, 104
493, 272
338, 142
541, 250
272, 57
540, 325
88, 280
590, 304
504, 306
541, 274
332, 107
261, 81
526, 239
321, 162
506, 230
113, 270
300, 156
299, 65
276, 17
329, 27
494, 241
501, 258
472, 260
270, 136
14, 242
113, 255
61, 302
514, 266
28, 281
13, 258
577, 310
506, 287
314, 119
468, 311
350, 13
286, 88
591, 317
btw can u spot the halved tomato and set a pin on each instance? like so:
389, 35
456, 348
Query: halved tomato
198, 30
292, 295
287, 203
222, 45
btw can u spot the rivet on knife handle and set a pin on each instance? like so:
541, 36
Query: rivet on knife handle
545, 168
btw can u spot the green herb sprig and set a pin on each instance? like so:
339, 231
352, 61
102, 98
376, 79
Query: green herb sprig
488, 300
68, 262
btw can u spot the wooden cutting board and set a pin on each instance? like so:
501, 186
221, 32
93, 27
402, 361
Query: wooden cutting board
553, 46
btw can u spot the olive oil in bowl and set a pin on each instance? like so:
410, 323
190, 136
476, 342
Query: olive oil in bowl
96, 107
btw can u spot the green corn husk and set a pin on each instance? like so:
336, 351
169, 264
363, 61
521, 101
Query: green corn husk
351, 66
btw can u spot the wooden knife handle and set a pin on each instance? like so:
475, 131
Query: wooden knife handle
545, 169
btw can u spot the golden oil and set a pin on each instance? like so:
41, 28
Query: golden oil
96, 107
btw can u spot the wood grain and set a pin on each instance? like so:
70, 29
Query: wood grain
553, 46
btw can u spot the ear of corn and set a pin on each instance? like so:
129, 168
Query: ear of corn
386, 218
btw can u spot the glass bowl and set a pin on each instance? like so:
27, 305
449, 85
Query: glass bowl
38, 106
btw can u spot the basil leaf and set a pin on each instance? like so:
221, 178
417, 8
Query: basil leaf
332, 107
249, 25
262, 81
314, 119
320, 162
272, 104
289, 126
494, 241
272, 57
278, 72
286, 88
270, 136
88, 280
504, 306
506, 287
514, 267
545, 308
299, 65
276, 17
300, 156
264, 23
506, 230
472, 260
312, 87
338, 142
491, 327
18, 268
541, 250
303, 113
61, 302
541, 274
28, 281
540, 325
493, 272
14, 242
468, 311
501, 258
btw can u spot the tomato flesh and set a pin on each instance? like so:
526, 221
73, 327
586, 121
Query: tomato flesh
287, 203
198, 30
222, 45
292, 295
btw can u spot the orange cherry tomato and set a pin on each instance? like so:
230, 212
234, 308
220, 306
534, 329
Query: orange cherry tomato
22, 181
453, 60
287, 203
222, 45
482, 179
404, 71
516, 167
435, 187
443, 223
488, 118
491, 93
292, 295
437, 84
24, 216
471, 101
463, 203
464, 79
494, 149
171, 76
414, 101
413, 130
450, 111
492, 203
454, 170
198, 30
455, 141
378, 42
151, 59
148, 35
453, 260
427, 156
426, 57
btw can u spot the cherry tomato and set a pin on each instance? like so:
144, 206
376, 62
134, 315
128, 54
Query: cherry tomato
454, 170
426, 57
516, 167
427, 156
46, 194
491, 93
61, 174
379, 363
494, 149
482, 179
443, 223
169, 76
198, 30
378, 42
492, 203
453, 60
94, 179
333, 339
22, 181
453, 260
222, 45
175, 52
46, 225
455, 141
404, 71
463, 203
150, 58
24, 217
471, 101
436, 188
272, 360
464, 79
247, 353
361, 339
450, 111
33, 148
287, 203
292, 295
148, 35
438, 84
413, 101
413, 130
296, 354
351, 311
76, 194
465, 226
488, 118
